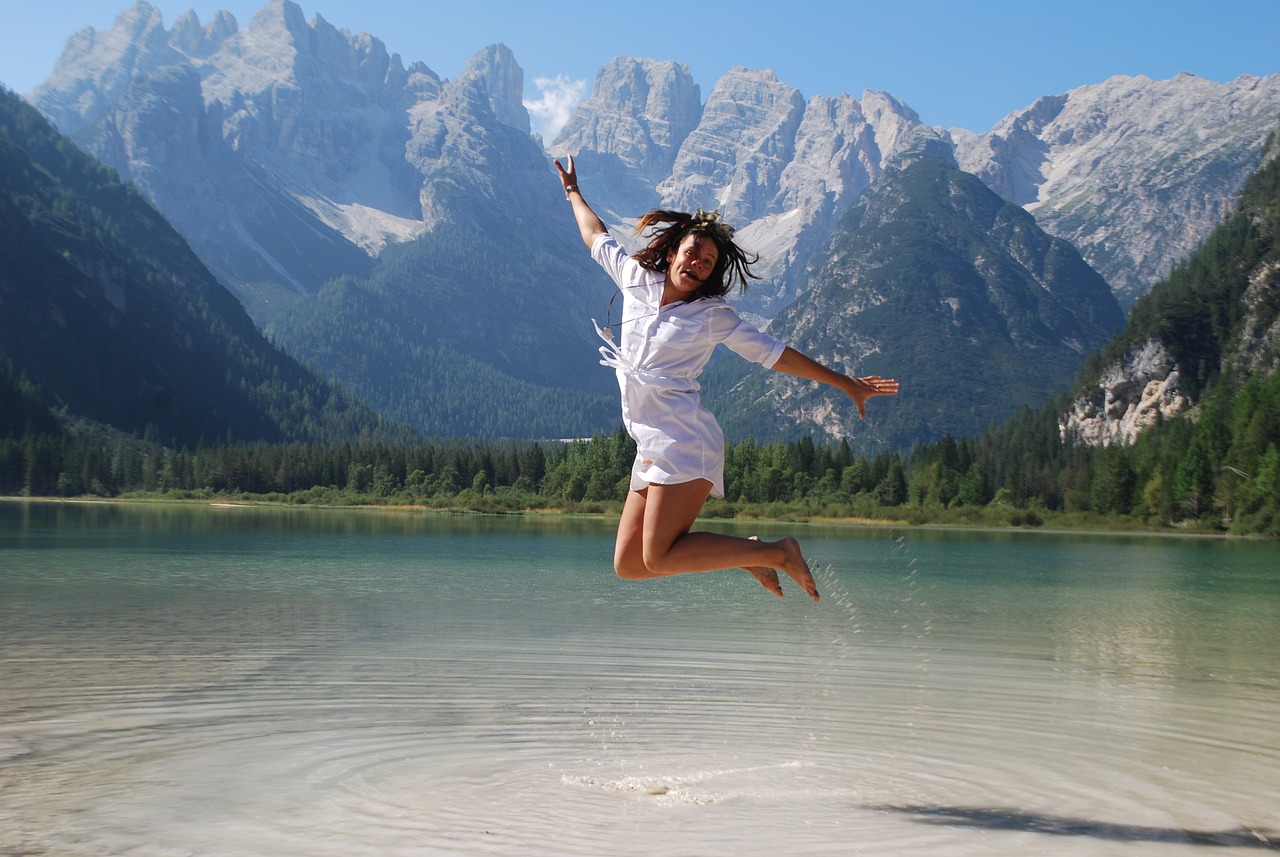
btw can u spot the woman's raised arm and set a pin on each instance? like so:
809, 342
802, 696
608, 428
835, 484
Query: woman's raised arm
590, 226
793, 362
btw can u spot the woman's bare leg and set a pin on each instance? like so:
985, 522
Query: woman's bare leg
628, 555
654, 541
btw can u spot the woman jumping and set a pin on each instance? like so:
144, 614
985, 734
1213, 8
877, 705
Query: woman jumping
673, 316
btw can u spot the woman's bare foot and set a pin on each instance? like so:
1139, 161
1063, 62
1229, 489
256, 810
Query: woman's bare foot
796, 568
767, 576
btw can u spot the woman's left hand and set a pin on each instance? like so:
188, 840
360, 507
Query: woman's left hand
861, 389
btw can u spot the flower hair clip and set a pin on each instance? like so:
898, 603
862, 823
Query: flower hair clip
711, 222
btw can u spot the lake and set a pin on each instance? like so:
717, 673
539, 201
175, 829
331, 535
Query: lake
218, 680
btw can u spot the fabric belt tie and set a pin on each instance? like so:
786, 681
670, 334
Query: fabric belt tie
611, 355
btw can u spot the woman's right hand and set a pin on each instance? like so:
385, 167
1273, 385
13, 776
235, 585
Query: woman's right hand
590, 227
568, 174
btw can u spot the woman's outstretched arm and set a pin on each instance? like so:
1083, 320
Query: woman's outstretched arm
792, 362
590, 226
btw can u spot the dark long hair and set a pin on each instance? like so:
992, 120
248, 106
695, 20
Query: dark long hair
733, 264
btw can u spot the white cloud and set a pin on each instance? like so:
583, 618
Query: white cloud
560, 95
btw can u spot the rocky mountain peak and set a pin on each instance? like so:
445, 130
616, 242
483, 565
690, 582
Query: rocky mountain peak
504, 82
897, 127
280, 49
281, 21
735, 157
1013, 152
639, 112
96, 67
194, 40
626, 134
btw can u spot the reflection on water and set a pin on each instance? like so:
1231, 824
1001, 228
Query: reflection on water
220, 680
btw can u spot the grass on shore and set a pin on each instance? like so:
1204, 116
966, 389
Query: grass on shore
506, 501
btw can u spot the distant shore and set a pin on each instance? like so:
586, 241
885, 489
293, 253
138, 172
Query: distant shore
920, 520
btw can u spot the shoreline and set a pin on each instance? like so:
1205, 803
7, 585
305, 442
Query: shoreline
852, 522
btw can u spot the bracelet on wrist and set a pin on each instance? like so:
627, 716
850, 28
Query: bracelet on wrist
569, 189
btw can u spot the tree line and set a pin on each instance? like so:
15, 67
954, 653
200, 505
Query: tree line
593, 470
1019, 474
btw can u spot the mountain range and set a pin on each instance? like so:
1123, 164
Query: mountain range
404, 234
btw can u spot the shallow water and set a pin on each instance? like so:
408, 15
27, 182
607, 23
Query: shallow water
245, 681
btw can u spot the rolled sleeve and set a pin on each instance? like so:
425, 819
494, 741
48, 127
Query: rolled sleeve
620, 267
746, 340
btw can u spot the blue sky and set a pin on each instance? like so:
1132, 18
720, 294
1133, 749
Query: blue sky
957, 64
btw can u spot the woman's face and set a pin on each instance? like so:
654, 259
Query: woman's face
691, 263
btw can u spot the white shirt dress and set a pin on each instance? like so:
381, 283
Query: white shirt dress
662, 351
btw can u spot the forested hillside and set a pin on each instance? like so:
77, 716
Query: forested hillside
106, 314
465, 333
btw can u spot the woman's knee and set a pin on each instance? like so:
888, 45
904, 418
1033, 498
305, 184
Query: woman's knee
631, 569
628, 561
657, 560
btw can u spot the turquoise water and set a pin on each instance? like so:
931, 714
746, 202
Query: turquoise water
248, 681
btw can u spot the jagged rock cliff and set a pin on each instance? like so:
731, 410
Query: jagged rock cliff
1132, 396
1135, 172
1260, 338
